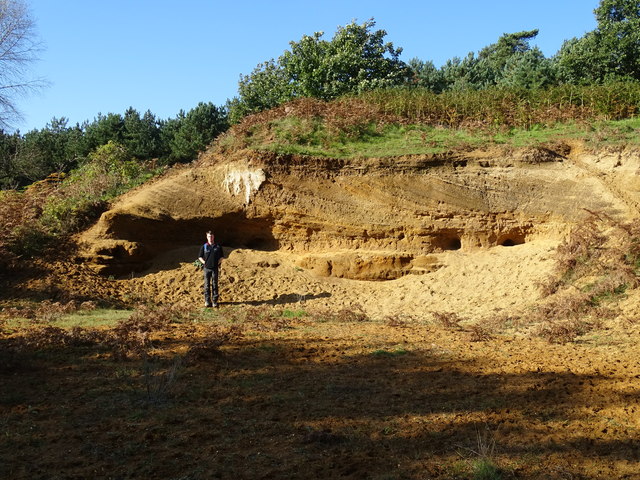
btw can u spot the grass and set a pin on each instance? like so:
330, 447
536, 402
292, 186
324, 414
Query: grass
395, 122
287, 313
395, 139
397, 352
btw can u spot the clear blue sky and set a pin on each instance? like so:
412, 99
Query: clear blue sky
164, 55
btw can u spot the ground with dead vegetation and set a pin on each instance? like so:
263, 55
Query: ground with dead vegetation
272, 392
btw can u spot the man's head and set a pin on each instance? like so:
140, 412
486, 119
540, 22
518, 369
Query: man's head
210, 236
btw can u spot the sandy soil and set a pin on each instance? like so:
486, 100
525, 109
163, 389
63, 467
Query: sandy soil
474, 284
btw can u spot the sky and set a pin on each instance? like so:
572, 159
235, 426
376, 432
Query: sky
165, 56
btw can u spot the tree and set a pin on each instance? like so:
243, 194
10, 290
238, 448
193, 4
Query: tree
610, 51
618, 34
266, 87
55, 148
192, 132
528, 70
18, 50
105, 128
9, 176
511, 61
354, 60
492, 61
142, 135
426, 75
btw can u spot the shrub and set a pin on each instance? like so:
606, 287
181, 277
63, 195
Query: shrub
208, 344
596, 264
447, 319
133, 336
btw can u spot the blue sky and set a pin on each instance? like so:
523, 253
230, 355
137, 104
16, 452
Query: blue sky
164, 56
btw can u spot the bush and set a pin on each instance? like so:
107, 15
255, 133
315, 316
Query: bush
598, 263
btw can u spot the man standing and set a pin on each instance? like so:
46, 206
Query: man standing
211, 257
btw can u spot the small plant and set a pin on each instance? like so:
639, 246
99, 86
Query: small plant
286, 313
398, 352
485, 469
447, 319
133, 336
48, 336
159, 382
211, 339
596, 265
345, 315
478, 333
395, 322
563, 331
483, 466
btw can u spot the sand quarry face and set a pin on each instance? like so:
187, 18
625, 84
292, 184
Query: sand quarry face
469, 232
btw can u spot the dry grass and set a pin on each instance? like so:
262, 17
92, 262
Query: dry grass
597, 264
478, 333
449, 320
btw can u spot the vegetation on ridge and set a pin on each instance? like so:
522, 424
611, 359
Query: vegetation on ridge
388, 123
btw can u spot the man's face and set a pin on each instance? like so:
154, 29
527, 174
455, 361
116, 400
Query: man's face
210, 237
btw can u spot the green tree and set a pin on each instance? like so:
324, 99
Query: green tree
511, 61
610, 51
580, 61
426, 75
55, 148
105, 128
266, 87
618, 34
530, 70
190, 133
354, 60
142, 135
9, 175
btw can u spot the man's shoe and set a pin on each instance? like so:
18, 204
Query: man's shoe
215, 305
208, 305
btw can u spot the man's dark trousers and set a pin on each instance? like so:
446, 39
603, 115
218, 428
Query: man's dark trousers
210, 286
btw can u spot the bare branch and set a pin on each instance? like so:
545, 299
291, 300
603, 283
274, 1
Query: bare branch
19, 48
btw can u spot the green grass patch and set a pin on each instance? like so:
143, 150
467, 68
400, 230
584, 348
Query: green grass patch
394, 140
398, 352
485, 469
286, 313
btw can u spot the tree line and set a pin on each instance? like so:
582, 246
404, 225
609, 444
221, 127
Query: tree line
60, 147
356, 60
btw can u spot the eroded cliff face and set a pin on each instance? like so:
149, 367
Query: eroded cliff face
369, 219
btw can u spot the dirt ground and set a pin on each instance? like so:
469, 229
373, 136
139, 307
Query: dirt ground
299, 376
316, 396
